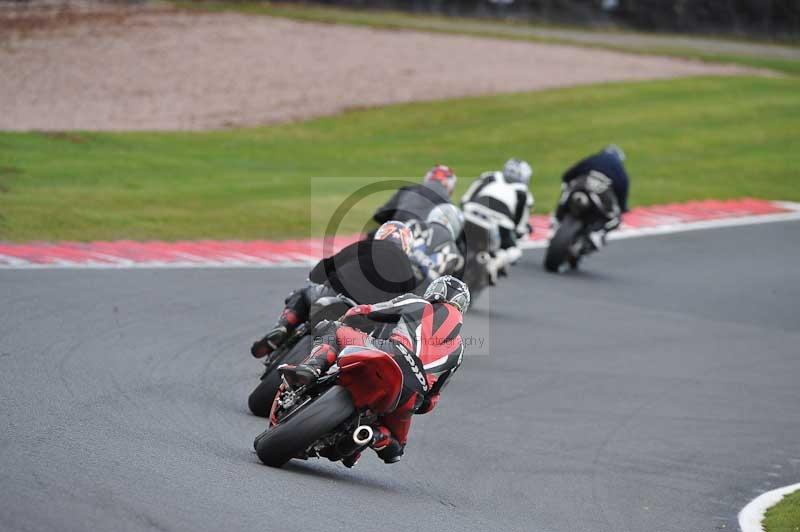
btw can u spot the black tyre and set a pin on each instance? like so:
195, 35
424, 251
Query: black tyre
475, 276
307, 424
558, 250
260, 400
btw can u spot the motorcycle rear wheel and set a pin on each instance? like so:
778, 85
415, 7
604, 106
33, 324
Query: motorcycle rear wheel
310, 422
558, 249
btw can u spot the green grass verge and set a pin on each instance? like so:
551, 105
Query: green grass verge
784, 516
686, 139
466, 26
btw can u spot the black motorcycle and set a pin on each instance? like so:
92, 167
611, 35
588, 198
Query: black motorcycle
482, 238
366, 272
294, 351
586, 205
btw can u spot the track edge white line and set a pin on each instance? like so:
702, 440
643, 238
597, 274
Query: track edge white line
688, 226
751, 516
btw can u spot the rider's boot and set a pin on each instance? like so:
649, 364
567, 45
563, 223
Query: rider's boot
350, 461
271, 341
574, 261
503, 258
386, 446
289, 319
597, 239
321, 358
491, 264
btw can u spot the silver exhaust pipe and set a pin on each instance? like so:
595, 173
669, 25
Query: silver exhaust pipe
363, 435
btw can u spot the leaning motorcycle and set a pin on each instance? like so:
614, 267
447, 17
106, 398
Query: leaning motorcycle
332, 417
482, 244
367, 272
587, 203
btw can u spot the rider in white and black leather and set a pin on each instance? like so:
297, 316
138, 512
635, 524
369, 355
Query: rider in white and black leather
503, 196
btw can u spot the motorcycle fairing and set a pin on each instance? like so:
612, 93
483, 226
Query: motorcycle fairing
373, 378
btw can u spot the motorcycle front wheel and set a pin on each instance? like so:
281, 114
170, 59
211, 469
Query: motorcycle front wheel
260, 400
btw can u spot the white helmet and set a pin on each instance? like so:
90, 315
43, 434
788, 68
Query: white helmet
517, 171
615, 150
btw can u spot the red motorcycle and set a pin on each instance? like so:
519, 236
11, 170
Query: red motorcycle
333, 417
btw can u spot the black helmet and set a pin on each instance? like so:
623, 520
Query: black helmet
450, 290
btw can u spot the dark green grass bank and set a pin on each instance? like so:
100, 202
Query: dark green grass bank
784, 516
686, 139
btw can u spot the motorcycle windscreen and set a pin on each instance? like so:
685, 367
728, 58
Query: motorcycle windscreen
369, 271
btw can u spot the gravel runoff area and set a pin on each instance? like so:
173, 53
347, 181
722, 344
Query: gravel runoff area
162, 69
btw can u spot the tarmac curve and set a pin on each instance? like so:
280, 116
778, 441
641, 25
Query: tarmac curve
656, 390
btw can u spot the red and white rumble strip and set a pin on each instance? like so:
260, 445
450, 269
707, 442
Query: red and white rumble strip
640, 221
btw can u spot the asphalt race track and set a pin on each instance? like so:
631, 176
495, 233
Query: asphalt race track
658, 390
